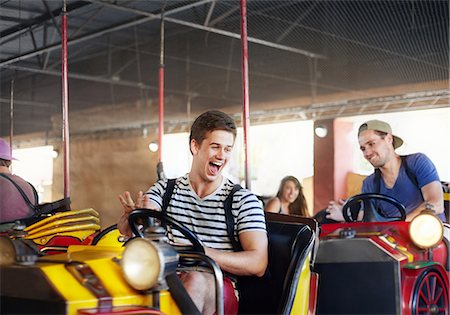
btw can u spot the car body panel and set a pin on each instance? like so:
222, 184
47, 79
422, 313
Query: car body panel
77, 292
412, 280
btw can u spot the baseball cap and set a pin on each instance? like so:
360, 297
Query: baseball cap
382, 126
5, 151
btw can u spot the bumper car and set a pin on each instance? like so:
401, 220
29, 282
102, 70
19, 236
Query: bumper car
379, 264
53, 233
140, 275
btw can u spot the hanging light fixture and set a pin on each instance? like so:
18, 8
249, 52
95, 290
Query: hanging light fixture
321, 131
153, 146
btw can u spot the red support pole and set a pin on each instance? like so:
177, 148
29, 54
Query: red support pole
161, 112
11, 116
65, 104
161, 92
245, 91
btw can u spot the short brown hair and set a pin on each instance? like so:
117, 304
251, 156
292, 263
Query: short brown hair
210, 121
383, 135
6, 163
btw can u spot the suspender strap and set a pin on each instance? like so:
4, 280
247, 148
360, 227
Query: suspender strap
168, 194
229, 219
377, 181
33, 207
409, 173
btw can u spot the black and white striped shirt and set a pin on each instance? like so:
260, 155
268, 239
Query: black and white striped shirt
206, 216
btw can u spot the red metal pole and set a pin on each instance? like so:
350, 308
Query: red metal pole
11, 116
245, 91
161, 112
65, 103
161, 92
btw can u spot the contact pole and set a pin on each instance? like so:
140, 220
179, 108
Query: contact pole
65, 103
245, 91
11, 116
161, 91
159, 166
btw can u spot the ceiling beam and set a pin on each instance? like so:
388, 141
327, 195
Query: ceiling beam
96, 34
28, 103
22, 28
210, 11
213, 30
119, 82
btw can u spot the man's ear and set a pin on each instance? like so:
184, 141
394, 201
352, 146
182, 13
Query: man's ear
194, 147
390, 139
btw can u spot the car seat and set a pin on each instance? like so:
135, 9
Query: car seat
446, 190
290, 246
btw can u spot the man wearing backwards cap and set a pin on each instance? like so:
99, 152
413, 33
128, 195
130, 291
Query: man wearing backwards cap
12, 204
419, 189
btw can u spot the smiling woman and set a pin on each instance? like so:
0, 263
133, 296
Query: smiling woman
289, 198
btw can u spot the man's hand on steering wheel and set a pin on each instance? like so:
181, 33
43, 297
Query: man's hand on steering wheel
142, 215
334, 211
352, 208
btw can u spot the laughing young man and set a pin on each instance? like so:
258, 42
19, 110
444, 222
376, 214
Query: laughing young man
198, 203
411, 179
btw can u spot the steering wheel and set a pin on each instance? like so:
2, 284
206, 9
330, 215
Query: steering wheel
350, 209
140, 213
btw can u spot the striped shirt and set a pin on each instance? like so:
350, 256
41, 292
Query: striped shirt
206, 216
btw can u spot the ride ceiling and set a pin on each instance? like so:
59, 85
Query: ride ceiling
307, 59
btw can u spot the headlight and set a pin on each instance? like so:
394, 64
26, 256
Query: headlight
145, 263
426, 230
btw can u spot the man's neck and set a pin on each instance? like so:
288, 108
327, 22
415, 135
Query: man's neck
390, 170
4, 170
204, 188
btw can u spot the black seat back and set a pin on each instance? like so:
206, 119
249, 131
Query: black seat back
289, 246
446, 190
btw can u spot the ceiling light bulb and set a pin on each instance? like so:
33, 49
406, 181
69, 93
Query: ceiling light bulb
153, 146
321, 131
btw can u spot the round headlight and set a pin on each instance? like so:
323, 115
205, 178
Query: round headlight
426, 230
141, 264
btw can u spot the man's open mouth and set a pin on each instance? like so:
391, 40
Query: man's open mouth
214, 167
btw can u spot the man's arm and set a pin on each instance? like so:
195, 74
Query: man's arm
251, 261
432, 195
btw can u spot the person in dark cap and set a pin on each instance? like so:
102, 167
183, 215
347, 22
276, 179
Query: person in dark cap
411, 179
13, 205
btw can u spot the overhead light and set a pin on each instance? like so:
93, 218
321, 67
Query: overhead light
153, 146
321, 131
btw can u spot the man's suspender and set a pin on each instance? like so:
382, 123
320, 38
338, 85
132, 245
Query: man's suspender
409, 173
229, 219
168, 194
